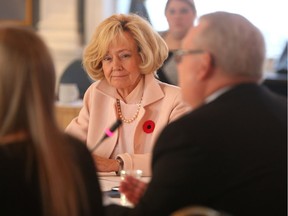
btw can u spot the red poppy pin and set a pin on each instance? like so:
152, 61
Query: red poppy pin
148, 126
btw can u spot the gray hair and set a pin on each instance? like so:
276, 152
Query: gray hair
237, 46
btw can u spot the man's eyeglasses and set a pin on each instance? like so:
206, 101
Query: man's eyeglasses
179, 53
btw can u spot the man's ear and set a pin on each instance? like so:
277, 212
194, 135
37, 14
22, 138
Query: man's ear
206, 66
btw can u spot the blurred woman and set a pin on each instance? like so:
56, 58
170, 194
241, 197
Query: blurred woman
43, 171
122, 56
180, 15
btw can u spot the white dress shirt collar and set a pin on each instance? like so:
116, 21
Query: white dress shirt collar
216, 94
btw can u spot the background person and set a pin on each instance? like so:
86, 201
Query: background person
43, 171
123, 55
180, 15
230, 152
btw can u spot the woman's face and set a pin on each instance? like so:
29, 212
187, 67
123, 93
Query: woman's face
121, 64
180, 17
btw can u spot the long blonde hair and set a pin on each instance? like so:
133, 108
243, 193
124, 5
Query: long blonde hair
27, 83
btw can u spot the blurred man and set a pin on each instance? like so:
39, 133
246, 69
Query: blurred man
230, 152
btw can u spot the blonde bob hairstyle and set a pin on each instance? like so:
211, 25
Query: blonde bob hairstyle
151, 47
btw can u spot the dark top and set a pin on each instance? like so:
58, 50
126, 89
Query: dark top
230, 155
168, 71
20, 194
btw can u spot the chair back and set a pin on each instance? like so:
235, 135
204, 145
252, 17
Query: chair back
75, 74
198, 211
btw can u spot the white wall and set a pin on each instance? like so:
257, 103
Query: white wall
58, 26
269, 16
95, 12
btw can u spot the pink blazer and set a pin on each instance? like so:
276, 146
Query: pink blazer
161, 103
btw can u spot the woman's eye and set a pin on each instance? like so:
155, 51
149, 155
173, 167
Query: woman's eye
171, 11
184, 11
181, 11
107, 58
125, 55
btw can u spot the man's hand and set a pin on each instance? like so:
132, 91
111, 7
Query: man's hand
133, 189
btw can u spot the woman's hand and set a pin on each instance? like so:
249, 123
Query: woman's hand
105, 165
133, 189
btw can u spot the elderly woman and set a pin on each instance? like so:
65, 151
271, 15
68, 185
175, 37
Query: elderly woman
123, 55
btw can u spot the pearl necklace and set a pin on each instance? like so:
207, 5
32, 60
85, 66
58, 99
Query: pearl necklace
121, 115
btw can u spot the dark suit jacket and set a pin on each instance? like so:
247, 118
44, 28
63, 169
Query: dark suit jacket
230, 154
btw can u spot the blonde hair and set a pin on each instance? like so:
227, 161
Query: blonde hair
27, 81
151, 47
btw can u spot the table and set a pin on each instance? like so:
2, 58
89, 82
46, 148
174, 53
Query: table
109, 180
65, 112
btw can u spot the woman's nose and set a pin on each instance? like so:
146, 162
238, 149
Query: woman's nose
116, 61
117, 64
